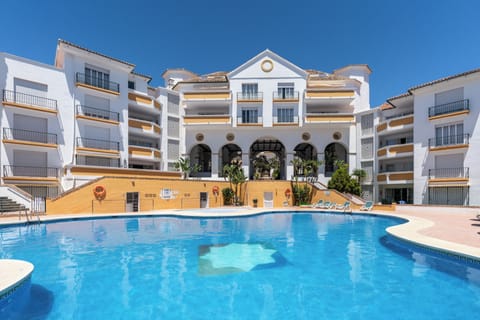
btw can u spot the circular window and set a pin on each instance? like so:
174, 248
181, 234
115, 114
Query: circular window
230, 136
337, 136
306, 136
199, 137
267, 65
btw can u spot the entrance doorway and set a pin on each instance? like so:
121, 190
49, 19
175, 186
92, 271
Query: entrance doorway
203, 199
132, 202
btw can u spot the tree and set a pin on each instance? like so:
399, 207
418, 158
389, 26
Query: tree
183, 165
234, 173
342, 181
359, 174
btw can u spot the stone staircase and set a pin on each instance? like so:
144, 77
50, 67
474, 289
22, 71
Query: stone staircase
8, 205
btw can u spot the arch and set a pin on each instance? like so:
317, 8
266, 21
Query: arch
227, 154
201, 155
267, 159
333, 152
305, 151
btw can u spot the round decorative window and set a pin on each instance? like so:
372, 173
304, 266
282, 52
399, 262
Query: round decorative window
306, 136
199, 137
267, 65
230, 136
337, 136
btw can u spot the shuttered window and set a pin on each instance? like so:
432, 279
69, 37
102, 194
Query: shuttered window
367, 124
368, 168
173, 150
367, 148
173, 103
173, 127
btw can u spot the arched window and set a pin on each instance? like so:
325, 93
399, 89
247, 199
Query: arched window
267, 159
305, 152
333, 152
228, 153
201, 155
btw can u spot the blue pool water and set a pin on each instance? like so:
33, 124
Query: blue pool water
272, 266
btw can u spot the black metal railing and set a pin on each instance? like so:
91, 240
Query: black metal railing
448, 140
97, 161
143, 144
97, 113
96, 82
463, 172
408, 168
286, 95
98, 144
249, 95
392, 142
27, 171
449, 108
28, 99
399, 115
252, 120
27, 135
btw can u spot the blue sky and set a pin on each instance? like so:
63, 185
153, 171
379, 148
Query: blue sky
405, 42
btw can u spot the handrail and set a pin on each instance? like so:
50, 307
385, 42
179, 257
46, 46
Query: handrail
449, 107
462, 172
27, 135
98, 144
97, 113
448, 140
96, 82
285, 95
30, 171
249, 95
28, 99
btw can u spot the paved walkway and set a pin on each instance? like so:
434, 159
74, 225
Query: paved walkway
448, 229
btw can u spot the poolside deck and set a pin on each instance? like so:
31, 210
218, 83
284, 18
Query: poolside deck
446, 228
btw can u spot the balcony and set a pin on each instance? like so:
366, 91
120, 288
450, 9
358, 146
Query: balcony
31, 138
258, 121
30, 173
214, 119
329, 97
395, 177
28, 101
449, 174
95, 114
249, 97
285, 121
449, 109
396, 123
285, 96
206, 96
144, 127
83, 160
329, 118
448, 142
144, 151
98, 145
81, 80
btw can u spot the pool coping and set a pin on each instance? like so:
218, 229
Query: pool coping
409, 231
13, 274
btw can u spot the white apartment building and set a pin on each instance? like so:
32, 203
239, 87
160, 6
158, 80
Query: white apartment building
91, 111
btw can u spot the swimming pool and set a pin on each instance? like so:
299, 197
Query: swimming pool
271, 266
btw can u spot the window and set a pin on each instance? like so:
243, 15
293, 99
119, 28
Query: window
131, 85
100, 79
286, 90
449, 134
250, 90
285, 115
367, 124
249, 116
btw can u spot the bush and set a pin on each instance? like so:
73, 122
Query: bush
343, 182
301, 194
227, 196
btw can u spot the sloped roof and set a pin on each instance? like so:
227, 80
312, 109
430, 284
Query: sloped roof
426, 84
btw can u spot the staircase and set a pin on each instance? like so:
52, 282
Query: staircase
8, 205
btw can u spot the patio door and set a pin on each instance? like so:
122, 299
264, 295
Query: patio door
132, 202
268, 199
203, 199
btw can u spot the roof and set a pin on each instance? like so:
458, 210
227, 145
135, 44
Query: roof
463, 74
386, 106
61, 41
183, 70
364, 65
149, 78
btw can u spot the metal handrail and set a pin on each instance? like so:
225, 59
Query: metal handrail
98, 144
393, 142
285, 95
463, 172
137, 143
27, 135
97, 113
28, 99
240, 120
82, 160
448, 140
30, 171
95, 82
449, 107
249, 95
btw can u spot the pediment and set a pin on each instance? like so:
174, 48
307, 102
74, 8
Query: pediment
267, 64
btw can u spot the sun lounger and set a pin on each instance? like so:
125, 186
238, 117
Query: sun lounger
367, 206
345, 207
326, 205
318, 204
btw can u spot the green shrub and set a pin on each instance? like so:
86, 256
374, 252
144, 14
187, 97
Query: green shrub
227, 196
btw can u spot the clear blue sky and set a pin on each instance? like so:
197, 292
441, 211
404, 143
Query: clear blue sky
405, 42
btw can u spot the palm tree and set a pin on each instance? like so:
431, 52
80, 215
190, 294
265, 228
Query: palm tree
234, 173
183, 165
